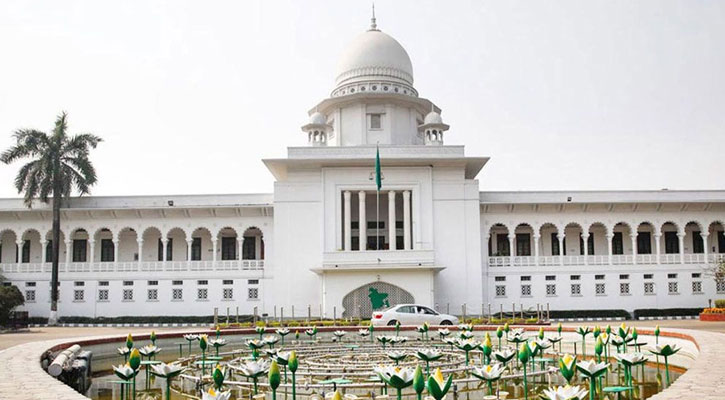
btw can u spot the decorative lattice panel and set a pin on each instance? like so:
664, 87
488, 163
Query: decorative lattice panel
362, 301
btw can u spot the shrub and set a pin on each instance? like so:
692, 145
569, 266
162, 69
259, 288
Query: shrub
720, 303
10, 297
666, 312
714, 310
589, 314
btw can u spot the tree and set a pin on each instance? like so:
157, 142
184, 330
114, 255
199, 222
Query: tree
10, 297
57, 165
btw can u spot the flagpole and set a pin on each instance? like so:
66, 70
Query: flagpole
377, 219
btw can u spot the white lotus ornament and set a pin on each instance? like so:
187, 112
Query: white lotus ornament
564, 393
214, 395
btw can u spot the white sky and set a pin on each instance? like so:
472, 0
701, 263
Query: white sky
190, 96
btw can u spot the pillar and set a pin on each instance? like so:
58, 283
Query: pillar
115, 250
536, 249
348, 223
92, 252
43, 254
512, 249
240, 241
362, 221
188, 248
585, 243
19, 250
407, 242
681, 237
391, 221
560, 236
164, 241
68, 248
213, 249
610, 237
657, 247
704, 243
633, 238
140, 251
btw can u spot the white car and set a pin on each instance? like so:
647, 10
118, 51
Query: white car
411, 314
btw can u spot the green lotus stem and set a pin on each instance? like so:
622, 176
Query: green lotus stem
592, 388
584, 346
526, 385
294, 387
255, 384
122, 394
189, 347
203, 363
134, 386
427, 369
667, 371
499, 344
284, 368
466, 357
216, 348
490, 388
168, 389
400, 394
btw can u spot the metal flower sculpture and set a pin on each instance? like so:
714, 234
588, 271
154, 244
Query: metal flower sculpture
567, 367
190, 338
152, 337
253, 370
427, 356
418, 382
499, 335
168, 372
274, 379
487, 348
398, 378
124, 351
439, 386
149, 351
270, 340
489, 373
524, 357
217, 343
383, 339
443, 332
125, 373
465, 327
504, 356
467, 345
363, 332
282, 332
564, 393
203, 344
628, 361
214, 395
665, 351
134, 361
282, 359
129, 341
260, 329
292, 364
584, 331
311, 332
339, 335
592, 370
396, 356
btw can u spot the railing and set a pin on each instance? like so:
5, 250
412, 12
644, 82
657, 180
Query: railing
617, 259
135, 266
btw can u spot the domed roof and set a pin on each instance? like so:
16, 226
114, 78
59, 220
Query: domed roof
433, 118
374, 55
318, 118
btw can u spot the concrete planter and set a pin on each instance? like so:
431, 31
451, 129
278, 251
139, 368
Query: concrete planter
712, 317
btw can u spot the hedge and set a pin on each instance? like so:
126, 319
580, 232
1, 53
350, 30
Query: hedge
666, 312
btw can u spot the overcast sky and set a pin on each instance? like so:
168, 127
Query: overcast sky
190, 96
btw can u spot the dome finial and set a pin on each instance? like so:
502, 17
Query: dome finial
373, 25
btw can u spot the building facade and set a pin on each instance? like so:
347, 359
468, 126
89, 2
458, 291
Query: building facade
327, 241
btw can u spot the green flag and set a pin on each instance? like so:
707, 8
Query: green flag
378, 176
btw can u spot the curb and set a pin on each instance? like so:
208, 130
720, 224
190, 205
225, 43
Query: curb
586, 319
681, 317
129, 325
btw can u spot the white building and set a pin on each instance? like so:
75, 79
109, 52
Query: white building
439, 240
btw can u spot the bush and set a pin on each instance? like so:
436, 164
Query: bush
666, 312
10, 297
720, 303
715, 310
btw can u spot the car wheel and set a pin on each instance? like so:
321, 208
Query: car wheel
392, 322
446, 322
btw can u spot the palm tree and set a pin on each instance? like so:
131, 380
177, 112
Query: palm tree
58, 164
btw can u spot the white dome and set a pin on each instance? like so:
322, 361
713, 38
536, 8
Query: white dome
318, 118
374, 55
433, 118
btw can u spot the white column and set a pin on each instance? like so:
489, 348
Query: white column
92, 252
633, 238
407, 245
140, 251
68, 250
188, 248
560, 236
704, 243
362, 221
512, 248
348, 223
43, 257
213, 250
585, 243
115, 250
681, 237
257, 247
240, 241
164, 241
19, 250
536, 249
609, 248
657, 246
391, 220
